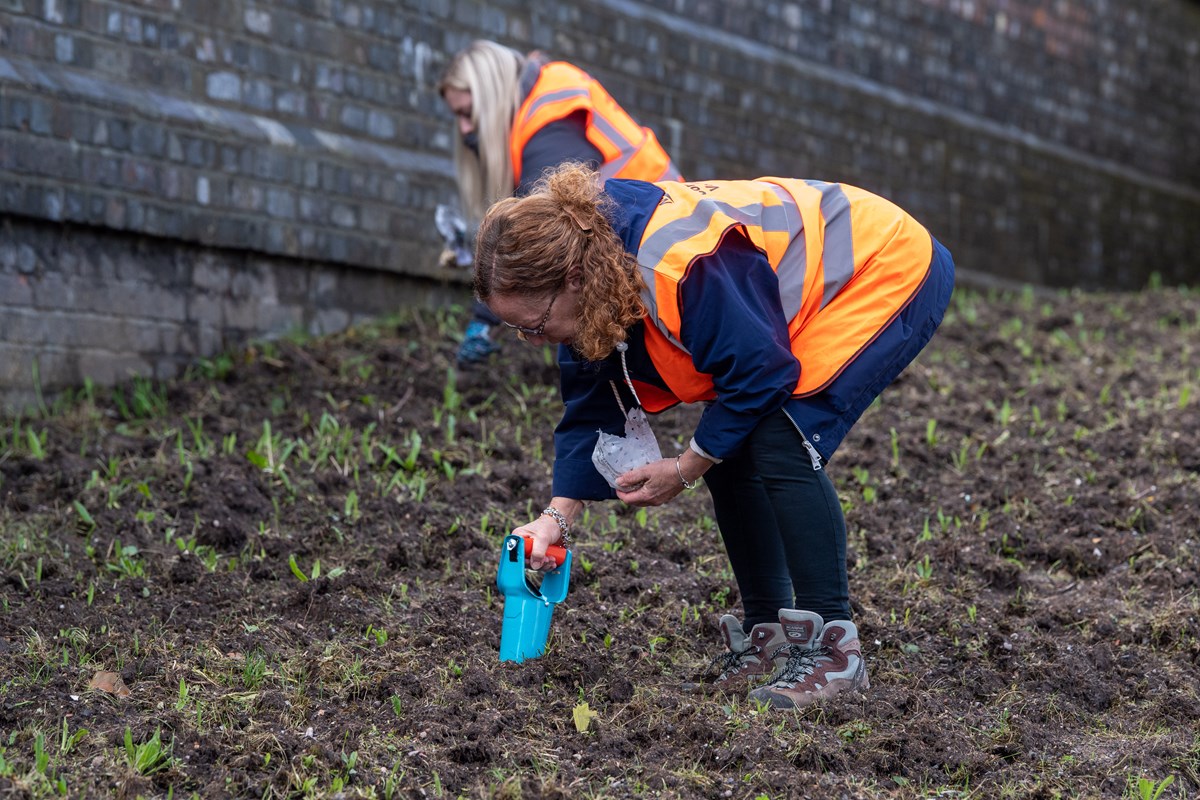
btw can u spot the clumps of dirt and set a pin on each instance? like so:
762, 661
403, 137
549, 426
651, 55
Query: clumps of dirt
293, 569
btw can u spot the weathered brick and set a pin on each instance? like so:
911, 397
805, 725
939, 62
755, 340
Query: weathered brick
276, 317
291, 103
118, 135
257, 21
353, 117
380, 125
106, 368
242, 315
258, 94
15, 291
330, 320
64, 49
344, 215
16, 375
211, 339
206, 309
224, 86
53, 291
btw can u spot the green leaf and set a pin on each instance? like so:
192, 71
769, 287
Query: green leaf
84, 514
299, 573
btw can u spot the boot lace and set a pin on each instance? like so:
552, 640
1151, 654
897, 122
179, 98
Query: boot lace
801, 662
730, 661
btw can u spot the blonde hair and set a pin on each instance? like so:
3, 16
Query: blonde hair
492, 74
531, 245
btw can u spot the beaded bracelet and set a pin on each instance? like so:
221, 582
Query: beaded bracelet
564, 527
682, 479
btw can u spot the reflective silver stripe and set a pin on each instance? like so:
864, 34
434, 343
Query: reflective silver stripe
838, 255
773, 219
784, 218
609, 169
614, 135
554, 97
627, 148
794, 263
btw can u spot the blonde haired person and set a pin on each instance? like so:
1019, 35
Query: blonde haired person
517, 116
785, 306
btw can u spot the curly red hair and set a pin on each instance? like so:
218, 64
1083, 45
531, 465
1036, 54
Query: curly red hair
530, 245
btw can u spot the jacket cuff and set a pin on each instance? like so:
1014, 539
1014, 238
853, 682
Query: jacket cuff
700, 451
579, 480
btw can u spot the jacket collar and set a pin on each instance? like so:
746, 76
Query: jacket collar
635, 202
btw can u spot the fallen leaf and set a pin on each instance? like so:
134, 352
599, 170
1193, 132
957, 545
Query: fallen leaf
583, 717
109, 682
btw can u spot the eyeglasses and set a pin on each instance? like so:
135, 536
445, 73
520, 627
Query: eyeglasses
524, 333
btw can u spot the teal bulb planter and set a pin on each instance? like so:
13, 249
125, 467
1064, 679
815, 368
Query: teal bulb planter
528, 611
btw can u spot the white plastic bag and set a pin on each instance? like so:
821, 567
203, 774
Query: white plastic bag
615, 455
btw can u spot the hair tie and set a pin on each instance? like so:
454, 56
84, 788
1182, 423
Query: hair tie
574, 218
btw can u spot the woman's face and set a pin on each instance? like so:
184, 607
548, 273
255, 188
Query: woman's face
459, 101
540, 319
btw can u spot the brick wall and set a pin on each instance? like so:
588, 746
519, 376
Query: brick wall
80, 302
176, 176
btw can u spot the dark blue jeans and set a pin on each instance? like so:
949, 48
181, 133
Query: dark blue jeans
782, 525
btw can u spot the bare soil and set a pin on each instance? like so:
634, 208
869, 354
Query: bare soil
300, 594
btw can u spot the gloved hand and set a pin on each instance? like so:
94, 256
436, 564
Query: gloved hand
454, 233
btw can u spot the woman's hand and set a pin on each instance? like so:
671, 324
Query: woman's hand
655, 484
651, 485
544, 532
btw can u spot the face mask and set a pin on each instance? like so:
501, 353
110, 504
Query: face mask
471, 141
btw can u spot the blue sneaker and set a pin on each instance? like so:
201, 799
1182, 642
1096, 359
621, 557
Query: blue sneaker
476, 344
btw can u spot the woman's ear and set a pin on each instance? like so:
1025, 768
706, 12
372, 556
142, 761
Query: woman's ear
575, 277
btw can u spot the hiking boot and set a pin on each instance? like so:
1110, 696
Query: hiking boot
823, 659
748, 656
476, 345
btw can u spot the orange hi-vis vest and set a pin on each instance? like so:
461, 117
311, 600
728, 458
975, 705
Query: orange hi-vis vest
629, 150
848, 262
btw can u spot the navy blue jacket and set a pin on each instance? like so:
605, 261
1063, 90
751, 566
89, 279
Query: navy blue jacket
735, 329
